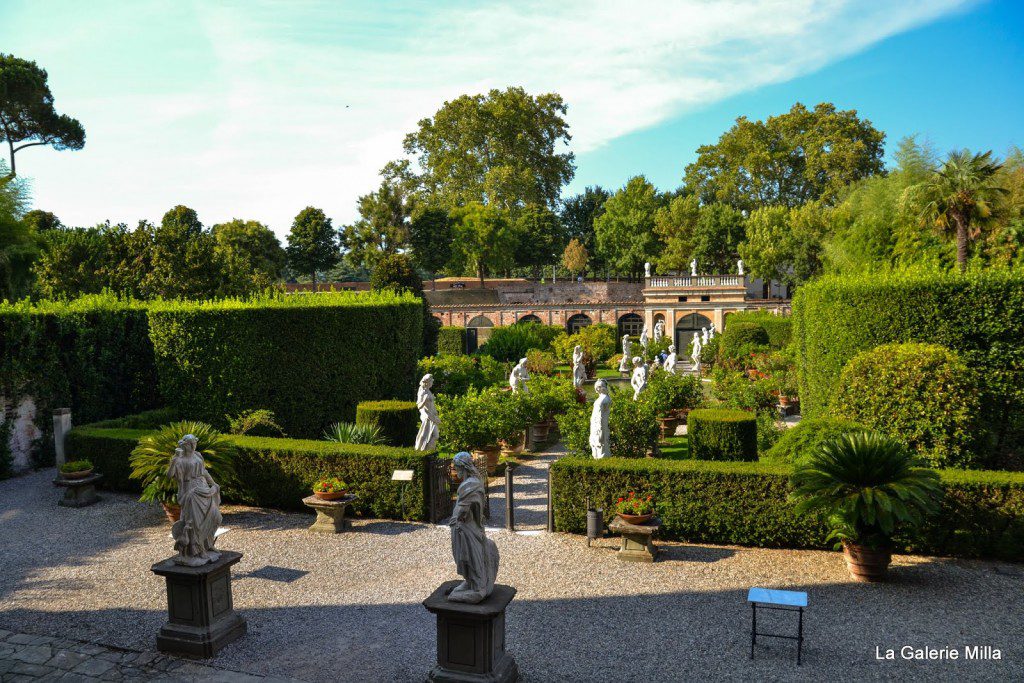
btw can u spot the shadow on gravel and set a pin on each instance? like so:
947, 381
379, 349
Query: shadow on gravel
384, 528
685, 553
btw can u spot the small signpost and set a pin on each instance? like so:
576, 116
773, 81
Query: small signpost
403, 476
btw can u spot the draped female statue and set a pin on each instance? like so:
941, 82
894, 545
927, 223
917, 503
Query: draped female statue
579, 370
476, 556
426, 438
199, 497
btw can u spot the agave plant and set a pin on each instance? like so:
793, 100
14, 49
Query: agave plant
869, 484
347, 432
152, 456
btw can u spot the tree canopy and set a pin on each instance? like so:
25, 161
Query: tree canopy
312, 243
625, 229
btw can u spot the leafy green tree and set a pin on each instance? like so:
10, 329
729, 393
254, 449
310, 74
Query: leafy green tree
675, 224
27, 114
382, 228
485, 239
578, 214
251, 255
312, 243
183, 261
17, 244
625, 230
962, 196
540, 238
575, 257
39, 221
790, 159
499, 149
129, 257
785, 244
716, 238
71, 263
430, 237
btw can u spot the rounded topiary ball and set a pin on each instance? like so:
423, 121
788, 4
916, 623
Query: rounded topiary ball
921, 394
722, 434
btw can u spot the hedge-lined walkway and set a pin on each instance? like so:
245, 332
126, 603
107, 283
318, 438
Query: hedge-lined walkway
347, 607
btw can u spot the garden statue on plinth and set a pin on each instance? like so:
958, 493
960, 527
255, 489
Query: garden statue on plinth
695, 353
693, 268
739, 266
476, 556
426, 438
639, 379
519, 376
579, 370
626, 346
645, 338
704, 335
199, 497
647, 269
670, 360
711, 331
600, 436
659, 331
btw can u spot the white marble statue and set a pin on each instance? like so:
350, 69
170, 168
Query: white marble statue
199, 497
647, 269
519, 376
476, 556
579, 370
711, 331
426, 438
704, 335
626, 346
670, 360
645, 338
639, 379
600, 436
693, 267
739, 266
695, 353
659, 331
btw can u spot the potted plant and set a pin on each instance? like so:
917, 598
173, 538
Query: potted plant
868, 485
152, 456
509, 411
635, 509
76, 469
548, 397
469, 423
330, 489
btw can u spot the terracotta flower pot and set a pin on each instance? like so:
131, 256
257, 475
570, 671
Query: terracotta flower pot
784, 401
636, 519
81, 474
866, 564
539, 432
488, 455
329, 495
515, 447
172, 510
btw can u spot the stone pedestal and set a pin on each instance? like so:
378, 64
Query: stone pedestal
471, 638
637, 539
78, 492
330, 514
201, 615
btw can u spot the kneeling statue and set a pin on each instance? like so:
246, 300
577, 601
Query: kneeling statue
476, 556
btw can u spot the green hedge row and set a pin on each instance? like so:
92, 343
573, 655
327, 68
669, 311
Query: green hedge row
779, 328
722, 434
745, 503
978, 315
309, 358
451, 341
398, 420
279, 473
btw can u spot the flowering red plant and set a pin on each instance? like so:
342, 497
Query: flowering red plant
332, 485
632, 504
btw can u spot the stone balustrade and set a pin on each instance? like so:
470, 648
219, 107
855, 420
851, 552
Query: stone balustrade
697, 281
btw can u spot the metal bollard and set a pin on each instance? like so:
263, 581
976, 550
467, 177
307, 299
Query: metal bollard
510, 519
595, 524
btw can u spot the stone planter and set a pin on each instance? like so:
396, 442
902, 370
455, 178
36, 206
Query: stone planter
329, 495
81, 474
513, 448
488, 455
539, 432
866, 564
172, 510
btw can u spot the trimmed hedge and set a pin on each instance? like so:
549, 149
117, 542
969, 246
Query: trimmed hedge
722, 434
739, 336
279, 473
779, 328
747, 504
398, 420
310, 359
979, 315
451, 341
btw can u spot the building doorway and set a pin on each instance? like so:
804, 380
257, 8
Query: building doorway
685, 327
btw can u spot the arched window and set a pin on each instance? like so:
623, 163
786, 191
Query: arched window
577, 323
530, 318
480, 321
692, 322
631, 324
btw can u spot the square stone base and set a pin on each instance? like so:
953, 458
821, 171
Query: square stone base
471, 638
78, 492
201, 615
637, 540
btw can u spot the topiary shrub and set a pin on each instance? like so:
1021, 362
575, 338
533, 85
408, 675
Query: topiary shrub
722, 434
798, 443
779, 328
451, 341
921, 394
740, 339
398, 420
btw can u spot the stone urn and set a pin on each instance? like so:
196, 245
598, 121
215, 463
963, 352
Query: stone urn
80, 474
867, 564
539, 432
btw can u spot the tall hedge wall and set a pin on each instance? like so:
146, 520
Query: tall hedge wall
451, 341
778, 327
979, 315
92, 355
309, 358
279, 473
747, 504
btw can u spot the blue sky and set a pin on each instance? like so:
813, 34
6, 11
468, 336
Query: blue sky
254, 109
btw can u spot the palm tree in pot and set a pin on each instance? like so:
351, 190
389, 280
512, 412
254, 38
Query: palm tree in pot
868, 485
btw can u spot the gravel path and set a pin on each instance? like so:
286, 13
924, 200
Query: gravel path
347, 607
529, 492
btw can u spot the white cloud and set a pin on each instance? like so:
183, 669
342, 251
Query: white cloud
258, 109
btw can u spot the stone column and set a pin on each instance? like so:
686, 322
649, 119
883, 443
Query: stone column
61, 427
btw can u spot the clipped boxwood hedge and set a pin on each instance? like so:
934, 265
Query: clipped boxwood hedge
451, 341
978, 315
747, 504
310, 358
779, 328
398, 420
722, 434
279, 473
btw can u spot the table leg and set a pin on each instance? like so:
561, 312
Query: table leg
753, 628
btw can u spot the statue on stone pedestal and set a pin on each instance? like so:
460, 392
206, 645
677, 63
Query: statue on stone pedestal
647, 269
626, 345
519, 376
659, 331
600, 436
704, 335
693, 267
645, 338
739, 266
639, 379
711, 331
695, 353
579, 370
476, 556
199, 497
426, 438
670, 361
